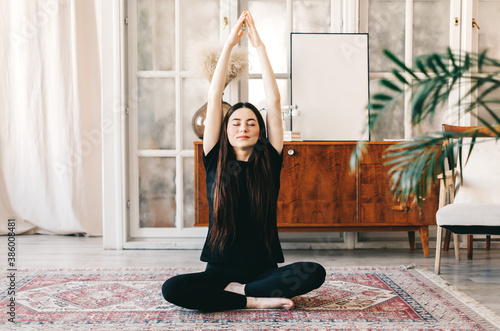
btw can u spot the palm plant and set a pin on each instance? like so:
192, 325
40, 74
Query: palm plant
415, 164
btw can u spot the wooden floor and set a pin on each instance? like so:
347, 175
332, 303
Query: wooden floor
479, 278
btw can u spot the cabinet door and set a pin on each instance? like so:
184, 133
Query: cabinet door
377, 206
317, 188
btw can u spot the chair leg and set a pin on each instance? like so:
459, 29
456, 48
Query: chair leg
447, 236
437, 263
456, 246
488, 242
470, 242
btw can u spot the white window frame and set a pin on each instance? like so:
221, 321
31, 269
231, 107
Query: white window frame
117, 109
135, 232
114, 192
408, 58
235, 92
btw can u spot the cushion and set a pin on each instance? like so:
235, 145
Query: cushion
481, 174
469, 214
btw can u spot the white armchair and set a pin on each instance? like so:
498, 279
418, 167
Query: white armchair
475, 208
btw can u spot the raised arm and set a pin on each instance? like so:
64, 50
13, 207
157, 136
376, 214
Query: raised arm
274, 124
217, 85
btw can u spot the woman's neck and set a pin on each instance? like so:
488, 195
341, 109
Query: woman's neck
243, 154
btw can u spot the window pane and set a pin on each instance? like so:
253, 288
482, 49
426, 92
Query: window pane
156, 192
386, 26
494, 108
488, 20
156, 113
311, 16
432, 124
188, 164
200, 26
271, 23
257, 95
389, 125
194, 96
155, 35
431, 29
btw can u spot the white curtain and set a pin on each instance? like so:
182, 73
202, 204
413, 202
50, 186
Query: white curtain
50, 120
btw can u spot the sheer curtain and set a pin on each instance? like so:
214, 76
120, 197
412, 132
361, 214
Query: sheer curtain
50, 120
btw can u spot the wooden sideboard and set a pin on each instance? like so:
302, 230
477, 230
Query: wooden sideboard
319, 192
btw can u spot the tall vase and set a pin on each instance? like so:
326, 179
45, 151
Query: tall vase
198, 121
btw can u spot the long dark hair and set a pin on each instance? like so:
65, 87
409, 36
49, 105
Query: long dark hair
259, 178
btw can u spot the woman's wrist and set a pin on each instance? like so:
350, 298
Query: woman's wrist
260, 47
229, 45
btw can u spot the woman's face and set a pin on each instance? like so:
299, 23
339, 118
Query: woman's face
243, 129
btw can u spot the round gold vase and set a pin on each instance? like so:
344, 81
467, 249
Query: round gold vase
198, 121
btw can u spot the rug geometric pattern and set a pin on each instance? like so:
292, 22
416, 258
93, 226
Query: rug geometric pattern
353, 298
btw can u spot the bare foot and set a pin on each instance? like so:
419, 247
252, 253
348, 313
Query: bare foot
260, 303
236, 288
267, 303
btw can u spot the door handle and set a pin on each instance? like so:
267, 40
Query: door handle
403, 208
474, 24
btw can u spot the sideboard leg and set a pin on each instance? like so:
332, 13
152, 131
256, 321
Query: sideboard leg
424, 237
411, 238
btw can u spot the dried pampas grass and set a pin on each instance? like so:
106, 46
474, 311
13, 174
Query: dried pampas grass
209, 55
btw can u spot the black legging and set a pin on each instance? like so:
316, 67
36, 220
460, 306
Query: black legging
205, 290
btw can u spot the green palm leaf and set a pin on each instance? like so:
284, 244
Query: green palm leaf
415, 164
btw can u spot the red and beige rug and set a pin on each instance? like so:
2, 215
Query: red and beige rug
352, 298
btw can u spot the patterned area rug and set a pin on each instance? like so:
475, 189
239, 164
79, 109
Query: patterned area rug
352, 298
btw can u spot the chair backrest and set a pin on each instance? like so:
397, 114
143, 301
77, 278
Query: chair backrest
480, 131
481, 173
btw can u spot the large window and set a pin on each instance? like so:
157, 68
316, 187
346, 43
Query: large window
165, 38
408, 28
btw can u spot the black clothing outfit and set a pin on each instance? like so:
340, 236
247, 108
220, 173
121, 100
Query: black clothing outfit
246, 260
248, 248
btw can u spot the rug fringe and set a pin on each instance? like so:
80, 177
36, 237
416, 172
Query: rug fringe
473, 304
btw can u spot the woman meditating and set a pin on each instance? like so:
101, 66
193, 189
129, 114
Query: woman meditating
243, 166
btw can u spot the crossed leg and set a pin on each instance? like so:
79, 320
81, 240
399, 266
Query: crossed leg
218, 290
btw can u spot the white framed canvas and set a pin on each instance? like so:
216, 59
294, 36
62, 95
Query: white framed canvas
330, 85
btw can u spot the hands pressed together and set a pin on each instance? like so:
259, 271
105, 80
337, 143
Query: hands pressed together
237, 30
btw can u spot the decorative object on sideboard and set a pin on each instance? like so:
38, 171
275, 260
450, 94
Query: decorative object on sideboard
287, 112
198, 121
207, 58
